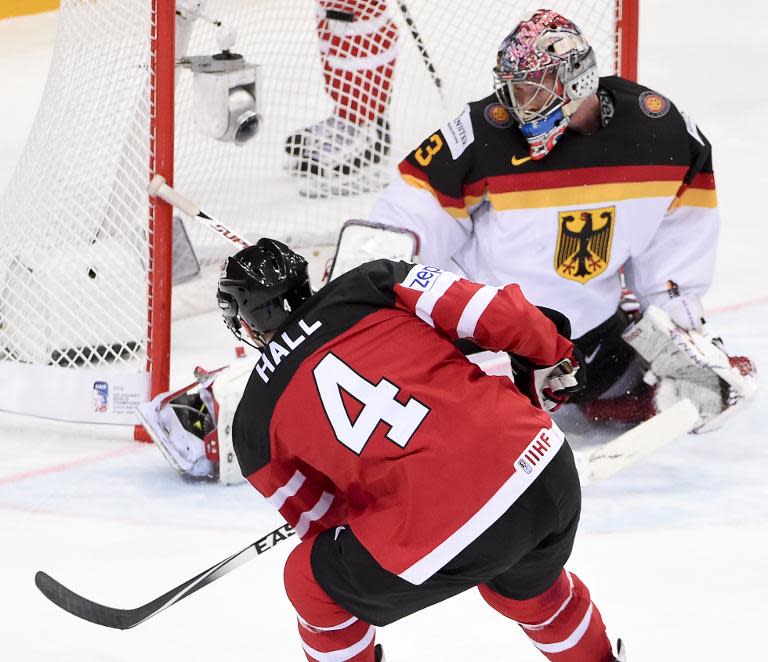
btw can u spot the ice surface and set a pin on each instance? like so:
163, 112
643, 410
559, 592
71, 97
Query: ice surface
673, 549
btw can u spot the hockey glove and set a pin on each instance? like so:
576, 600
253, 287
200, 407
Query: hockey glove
686, 364
549, 387
554, 385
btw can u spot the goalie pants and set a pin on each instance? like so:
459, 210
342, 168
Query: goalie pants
605, 356
340, 592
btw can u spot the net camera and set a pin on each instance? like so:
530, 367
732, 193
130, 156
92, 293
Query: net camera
226, 94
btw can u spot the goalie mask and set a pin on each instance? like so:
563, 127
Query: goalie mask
544, 71
260, 287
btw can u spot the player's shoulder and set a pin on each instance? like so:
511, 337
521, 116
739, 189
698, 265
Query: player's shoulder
489, 115
370, 280
649, 109
476, 123
644, 104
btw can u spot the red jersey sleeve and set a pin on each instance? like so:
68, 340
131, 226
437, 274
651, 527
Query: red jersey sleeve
302, 502
499, 319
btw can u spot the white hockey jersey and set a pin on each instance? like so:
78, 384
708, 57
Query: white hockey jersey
638, 195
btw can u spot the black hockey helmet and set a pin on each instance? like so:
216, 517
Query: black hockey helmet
261, 285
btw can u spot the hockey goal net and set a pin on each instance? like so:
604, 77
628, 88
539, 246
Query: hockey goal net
87, 259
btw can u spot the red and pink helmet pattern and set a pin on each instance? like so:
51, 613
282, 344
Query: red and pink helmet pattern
523, 51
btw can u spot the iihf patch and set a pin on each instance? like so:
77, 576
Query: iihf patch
497, 115
653, 104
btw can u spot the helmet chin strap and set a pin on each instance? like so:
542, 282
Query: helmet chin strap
256, 344
257, 340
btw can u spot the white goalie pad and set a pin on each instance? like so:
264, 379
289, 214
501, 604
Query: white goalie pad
228, 389
214, 457
687, 364
362, 241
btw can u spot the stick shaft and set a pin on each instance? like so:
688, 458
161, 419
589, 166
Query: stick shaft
421, 47
158, 188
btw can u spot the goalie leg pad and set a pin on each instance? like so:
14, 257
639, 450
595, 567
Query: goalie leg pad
228, 389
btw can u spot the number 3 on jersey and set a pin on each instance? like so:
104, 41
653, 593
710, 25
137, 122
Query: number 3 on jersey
425, 154
379, 405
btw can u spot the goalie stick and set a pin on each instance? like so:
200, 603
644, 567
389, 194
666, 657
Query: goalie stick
639, 442
622, 452
124, 619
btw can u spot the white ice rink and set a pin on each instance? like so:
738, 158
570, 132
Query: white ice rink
675, 550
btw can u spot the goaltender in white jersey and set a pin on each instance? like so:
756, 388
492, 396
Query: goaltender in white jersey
570, 185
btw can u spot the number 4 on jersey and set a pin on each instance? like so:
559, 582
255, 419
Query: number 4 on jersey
379, 405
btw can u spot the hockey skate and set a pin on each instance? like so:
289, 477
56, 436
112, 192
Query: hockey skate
621, 651
336, 157
378, 654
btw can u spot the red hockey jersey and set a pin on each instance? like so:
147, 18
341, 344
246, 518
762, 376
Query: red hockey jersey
361, 411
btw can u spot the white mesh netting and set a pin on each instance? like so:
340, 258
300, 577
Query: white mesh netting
74, 255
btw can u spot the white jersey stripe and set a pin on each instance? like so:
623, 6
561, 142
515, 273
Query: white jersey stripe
476, 306
426, 302
309, 516
362, 63
542, 625
343, 654
573, 639
494, 508
288, 490
317, 628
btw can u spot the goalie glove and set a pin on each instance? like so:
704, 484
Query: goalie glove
686, 364
183, 427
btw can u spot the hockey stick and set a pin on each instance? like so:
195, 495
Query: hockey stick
615, 455
422, 48
123, 619
639, 442
158, 188
628, 448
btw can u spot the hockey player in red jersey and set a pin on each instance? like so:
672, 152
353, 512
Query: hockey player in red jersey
566, 182
358, 41
408, 473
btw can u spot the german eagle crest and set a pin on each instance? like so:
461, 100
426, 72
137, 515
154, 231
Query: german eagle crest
584, 243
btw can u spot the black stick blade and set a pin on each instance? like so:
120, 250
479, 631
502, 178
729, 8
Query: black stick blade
75, 604
123, 619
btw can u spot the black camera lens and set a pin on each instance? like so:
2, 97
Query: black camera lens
248, 127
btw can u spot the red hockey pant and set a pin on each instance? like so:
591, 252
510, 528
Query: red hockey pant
358, 57
562, 622
327, 631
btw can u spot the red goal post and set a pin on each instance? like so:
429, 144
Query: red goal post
86, 269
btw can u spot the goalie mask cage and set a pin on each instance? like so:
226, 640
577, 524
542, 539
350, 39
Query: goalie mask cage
87, 260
